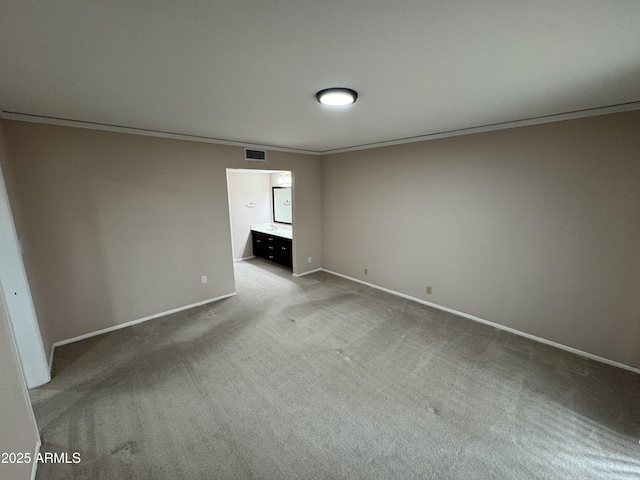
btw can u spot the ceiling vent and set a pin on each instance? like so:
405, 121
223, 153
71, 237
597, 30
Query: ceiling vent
253, 155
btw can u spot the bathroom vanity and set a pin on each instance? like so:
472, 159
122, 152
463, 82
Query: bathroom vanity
273, 242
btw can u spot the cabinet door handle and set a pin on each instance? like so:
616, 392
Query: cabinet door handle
270, 238
258, 241
270, 256
270, 247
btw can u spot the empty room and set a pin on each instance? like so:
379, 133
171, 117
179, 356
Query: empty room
320, 240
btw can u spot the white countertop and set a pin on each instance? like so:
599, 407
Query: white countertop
277, 229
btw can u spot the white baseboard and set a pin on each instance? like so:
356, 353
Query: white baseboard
244, 258
306, 273
493, 324
34, 467
140, 320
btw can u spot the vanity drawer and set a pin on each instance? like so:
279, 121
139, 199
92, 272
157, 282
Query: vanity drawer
271, 247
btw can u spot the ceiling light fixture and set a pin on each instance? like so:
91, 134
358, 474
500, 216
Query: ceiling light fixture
337, 97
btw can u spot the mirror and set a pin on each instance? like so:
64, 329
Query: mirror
282, 205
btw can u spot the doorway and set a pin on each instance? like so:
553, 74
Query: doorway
261, 215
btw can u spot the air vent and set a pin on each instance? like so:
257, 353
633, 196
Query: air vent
255, 155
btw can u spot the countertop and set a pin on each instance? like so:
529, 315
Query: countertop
277, 229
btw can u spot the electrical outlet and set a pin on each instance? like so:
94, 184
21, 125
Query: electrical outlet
428, 290
366, 271
309, 260
203, 278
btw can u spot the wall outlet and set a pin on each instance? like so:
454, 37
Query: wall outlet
366, 271
309, 260
203, 278
428, 290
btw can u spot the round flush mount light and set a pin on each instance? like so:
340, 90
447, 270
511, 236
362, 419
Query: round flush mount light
337, 97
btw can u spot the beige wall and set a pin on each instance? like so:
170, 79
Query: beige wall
243, 189
27, 250
18, 431
535, 228
123, 226
307, 218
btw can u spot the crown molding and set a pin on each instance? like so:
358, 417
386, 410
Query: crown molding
559, 117
25, 117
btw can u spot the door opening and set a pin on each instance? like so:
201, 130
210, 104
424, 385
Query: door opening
261, 215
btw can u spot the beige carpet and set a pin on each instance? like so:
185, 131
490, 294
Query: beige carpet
321, 378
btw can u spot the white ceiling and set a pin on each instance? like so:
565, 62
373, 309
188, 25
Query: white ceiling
248, 71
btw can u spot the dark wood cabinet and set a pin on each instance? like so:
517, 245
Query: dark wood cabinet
274, 248
259, 244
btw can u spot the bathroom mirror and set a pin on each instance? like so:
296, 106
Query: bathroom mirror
282, 205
